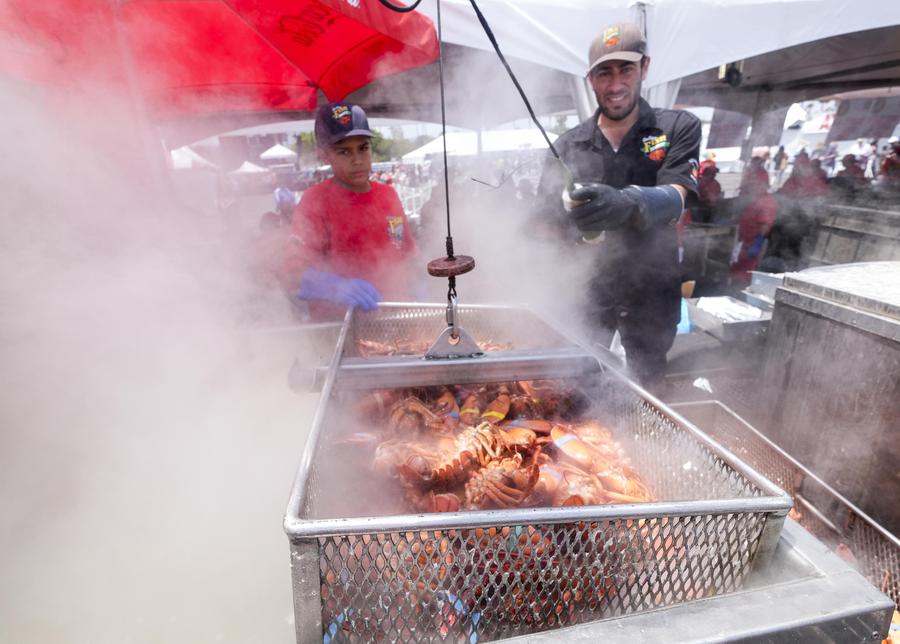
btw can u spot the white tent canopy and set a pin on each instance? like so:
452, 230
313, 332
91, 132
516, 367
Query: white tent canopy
683, 36
466, 143
186, 158
277, 152
248, 168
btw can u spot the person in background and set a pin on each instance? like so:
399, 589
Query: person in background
352, 244
871, 166
766, 163
818, 151
779, 163
852, 171
830, 159
804, 181
709, 191
850, 182
285, 201
755, 173
634, 167
754, 225
818, 170
889, 174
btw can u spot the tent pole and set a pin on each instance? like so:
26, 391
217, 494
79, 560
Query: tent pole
585, 103
760, 107
640, 9
478, 134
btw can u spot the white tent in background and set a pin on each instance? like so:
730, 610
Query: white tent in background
248, 168
684, 36
186, 158
278, 153
466, 143
819, 124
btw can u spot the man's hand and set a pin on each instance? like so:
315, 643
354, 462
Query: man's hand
603, 208
319, 285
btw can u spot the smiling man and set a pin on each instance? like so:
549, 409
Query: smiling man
634, 168
351, 242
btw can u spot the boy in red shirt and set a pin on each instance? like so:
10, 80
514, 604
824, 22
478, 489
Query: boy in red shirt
352, 244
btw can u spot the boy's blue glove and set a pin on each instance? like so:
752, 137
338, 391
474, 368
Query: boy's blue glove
319, 285
756, 246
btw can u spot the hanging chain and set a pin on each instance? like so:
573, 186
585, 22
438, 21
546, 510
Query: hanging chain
451, 288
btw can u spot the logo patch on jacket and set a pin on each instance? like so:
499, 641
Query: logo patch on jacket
655, 147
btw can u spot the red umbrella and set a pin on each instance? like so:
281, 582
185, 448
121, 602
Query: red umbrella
342, 44
205, 56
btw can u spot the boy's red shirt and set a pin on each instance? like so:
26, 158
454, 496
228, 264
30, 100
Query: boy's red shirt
354, 234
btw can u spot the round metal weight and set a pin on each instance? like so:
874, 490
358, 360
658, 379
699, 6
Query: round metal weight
450, 266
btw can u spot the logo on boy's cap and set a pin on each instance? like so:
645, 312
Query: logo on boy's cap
341, 113
655, 147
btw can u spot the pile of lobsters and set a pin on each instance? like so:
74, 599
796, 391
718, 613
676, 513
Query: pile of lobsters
502, 445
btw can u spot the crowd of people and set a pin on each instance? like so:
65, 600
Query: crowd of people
778, 199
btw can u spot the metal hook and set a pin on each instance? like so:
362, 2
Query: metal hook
451, 316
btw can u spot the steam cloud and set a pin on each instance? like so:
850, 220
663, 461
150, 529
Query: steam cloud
147, 443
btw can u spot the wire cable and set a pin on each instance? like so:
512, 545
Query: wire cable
490, 35
399, 8
449, 241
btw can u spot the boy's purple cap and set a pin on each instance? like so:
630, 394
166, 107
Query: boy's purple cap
336, 121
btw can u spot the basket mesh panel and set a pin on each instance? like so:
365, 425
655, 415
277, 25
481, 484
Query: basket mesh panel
479, 584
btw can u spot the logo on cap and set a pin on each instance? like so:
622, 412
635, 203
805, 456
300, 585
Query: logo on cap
341, 114
611, 37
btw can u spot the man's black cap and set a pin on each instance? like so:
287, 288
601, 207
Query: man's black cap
336, 121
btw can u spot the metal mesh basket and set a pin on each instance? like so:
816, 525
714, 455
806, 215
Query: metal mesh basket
486, 575
820, 509
422, 323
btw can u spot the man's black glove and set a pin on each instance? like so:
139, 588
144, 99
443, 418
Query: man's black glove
605, 208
